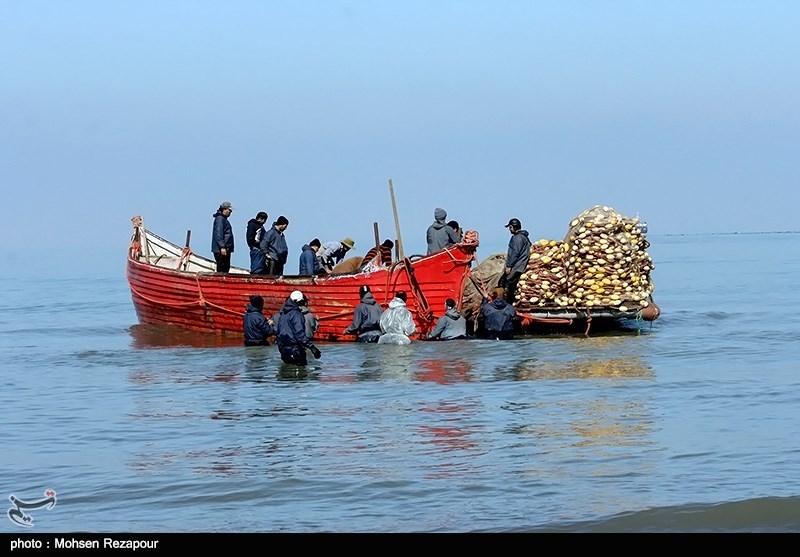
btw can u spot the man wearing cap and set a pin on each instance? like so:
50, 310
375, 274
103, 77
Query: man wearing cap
256, 326
291, 337
274, 247
332, 253
439, 234
517, 257
222, 237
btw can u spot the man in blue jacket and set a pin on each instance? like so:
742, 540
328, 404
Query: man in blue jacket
257, 328
222, 237
517, 257
309, 262
291, 337
274, 246
498, 317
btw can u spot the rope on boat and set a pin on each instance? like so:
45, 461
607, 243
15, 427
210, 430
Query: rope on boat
203, 300
160, 302
425, 311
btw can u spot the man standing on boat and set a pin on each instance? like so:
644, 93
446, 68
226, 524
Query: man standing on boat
255, 231
291, 337
222, 237
439, 235
309, 262
274, 246
517, 257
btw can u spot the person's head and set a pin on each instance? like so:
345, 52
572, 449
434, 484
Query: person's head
514, 225
226, 208
449, 303
387, 243
498, 292
454, 225
401, 294
348, 244
315, 244
439, 214
261, 217
281, 223
363, 289
297, 297
257, 301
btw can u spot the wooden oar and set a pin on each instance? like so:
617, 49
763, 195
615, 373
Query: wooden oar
396, 223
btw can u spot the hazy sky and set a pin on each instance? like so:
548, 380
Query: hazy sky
686, 113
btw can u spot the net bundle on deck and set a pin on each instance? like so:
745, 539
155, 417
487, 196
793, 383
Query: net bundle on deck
601, 263
607, 263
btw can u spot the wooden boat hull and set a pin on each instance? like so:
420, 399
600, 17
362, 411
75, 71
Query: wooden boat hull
171, 285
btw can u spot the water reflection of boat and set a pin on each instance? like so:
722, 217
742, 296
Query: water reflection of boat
623, 368
165, 336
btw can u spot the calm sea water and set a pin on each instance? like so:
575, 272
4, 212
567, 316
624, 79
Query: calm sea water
687, 424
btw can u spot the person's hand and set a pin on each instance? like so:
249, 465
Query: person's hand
223, 251
316, 352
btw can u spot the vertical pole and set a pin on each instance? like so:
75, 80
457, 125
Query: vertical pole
396, 222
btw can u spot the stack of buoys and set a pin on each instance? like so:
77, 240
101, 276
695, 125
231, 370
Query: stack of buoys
607, 261
601, 263
544, 282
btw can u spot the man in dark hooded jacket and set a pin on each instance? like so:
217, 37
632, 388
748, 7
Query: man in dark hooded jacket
439, 234
517, 257
366, 318
498, 317
255, 231
256, 327
309, 262
291, 337
451, 325
274, 246
222, 237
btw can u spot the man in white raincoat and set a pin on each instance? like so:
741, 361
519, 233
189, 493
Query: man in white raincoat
396, 322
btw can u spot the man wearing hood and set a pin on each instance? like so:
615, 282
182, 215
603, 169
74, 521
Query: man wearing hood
439, 234
256, 327
451, 325
517, 257
291, 336
498, 317
396, 322
366, 317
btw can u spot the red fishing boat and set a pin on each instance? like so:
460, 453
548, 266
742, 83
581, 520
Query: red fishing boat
171, 285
